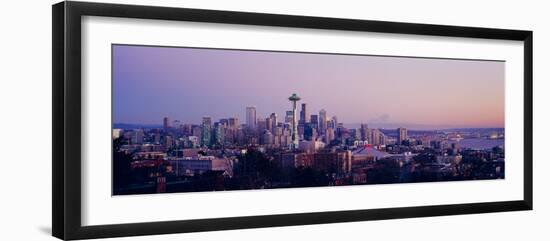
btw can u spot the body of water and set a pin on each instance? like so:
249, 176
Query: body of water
480, 143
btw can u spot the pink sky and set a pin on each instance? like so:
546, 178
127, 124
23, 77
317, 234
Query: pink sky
186, 84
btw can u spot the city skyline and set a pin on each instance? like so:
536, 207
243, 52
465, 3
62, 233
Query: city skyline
153, 82
240, 120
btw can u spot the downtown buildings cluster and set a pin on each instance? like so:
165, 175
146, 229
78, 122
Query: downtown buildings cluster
299, 150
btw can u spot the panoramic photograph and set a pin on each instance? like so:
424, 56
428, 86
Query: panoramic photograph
203, 119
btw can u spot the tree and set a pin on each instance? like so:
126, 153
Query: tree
122, 169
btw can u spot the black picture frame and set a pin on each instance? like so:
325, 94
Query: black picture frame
66, 159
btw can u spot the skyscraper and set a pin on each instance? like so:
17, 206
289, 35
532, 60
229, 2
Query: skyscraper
251, 117
314, 121
334, 122
274, 123
268, 124
303, 114
168, 142
219, 131
375, 137
206, 131
224, 122
261, 124
401, 135
322, 121
233, 123
166, 123
364, 132
294, 134
288, 117
329, 135
138, 136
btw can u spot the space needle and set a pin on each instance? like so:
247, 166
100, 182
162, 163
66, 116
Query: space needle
294, 134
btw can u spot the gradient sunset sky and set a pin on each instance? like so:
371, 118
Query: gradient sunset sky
186, 84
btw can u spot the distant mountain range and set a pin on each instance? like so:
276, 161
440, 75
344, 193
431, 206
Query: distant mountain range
128, 126
419, 127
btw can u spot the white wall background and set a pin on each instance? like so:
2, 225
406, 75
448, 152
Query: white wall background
25, 137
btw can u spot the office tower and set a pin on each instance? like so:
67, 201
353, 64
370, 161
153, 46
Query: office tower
157, 137
138, 137
267, 138
176, 124
329, 135
322, 121
233, 123
374, 137
384, 139
294, 134
274, 123
206, 131
401, 135
364, 132
301, 128
305, 131
269, 124
166, 123
251, 117
288, 117
187, 129
278, 131
168, 142
303, 114
334, 122
224, 122
314, 121
261, 124
356, 134
196, 131
219, 133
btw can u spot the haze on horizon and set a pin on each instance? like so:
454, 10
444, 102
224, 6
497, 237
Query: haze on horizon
186, 84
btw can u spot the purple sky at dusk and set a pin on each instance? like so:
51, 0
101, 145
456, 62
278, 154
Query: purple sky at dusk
186, 84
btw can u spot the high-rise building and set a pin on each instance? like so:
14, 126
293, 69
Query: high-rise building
314, 121
322, 121
196, 130
187, 129
138, 137
269, 124
334, 122
356, 134
364, 132
310, 133
157, 137
206, 131
233, 123
401, 135
219, 131
288, 117
267, 138
329, 135
294, 134
224, 122
166, 123
168, 142
374, 137
303, 115
251, 117
383, 139
274, 123
261, 124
